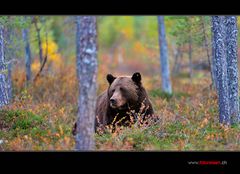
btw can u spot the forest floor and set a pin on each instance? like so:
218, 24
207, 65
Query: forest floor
41, 116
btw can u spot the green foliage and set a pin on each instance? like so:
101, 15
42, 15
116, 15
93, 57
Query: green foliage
181, 29
158, 93
104, 137
176, 135
185, 27
3, 20
113, 31
21, 22
13, 35
109, 30
133, 28
15, 21
44, 23
175, 127
58, 32
141, 139
20, 119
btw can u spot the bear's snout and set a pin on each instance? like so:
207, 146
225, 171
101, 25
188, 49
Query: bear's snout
113, 101
117, 100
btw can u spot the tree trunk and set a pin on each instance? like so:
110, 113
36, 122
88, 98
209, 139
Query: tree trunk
180, 60
78, 43
9, 53
44, 60
10, 95
39, 42
190, 56
221, 68
232, 64
25, 33
176, 53
206, 48
87, 69
213, 67
166, 81
4, 98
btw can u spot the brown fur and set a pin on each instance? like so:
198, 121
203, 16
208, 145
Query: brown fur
135, 95
130, 96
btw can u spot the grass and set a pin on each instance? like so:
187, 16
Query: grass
21, 119
41, 117
189, 121
25, 130
156, 93
173, 136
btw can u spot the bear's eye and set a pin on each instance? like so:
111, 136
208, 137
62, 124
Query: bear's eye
121, 89
113, 90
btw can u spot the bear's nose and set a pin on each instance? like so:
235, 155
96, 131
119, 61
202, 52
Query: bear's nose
113, 101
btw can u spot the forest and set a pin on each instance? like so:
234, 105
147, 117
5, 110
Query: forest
53, 68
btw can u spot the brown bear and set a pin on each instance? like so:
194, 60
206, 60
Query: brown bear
124, 98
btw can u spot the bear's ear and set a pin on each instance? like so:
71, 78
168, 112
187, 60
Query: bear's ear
110, 78
136, 77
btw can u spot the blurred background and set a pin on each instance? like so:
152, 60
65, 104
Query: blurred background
126, 43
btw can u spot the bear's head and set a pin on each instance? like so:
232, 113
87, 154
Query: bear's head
123, 90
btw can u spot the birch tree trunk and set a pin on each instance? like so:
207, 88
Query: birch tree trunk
9, 53
221, 68
166, 81
232, 64
87, 69
25, 34
4, 92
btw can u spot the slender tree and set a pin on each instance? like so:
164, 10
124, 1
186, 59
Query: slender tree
221, 68
78, 30
38, 30
25, 34
4, 92
9, 77
177, 54
87, 69
44, 60
190, 55
9, 53
166, 81
213, 61
232, 66
206, 46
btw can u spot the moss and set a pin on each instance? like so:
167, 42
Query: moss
20, 119
158, 93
